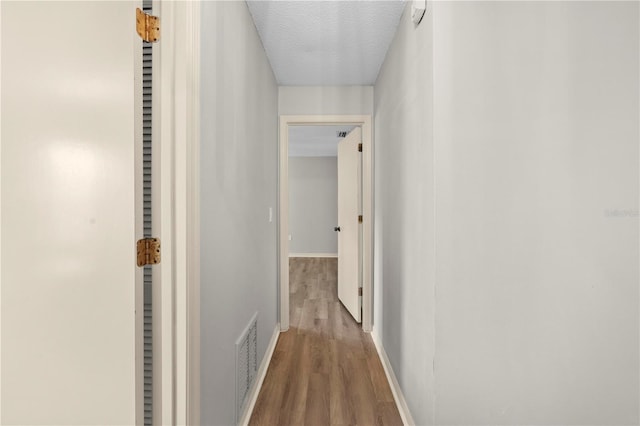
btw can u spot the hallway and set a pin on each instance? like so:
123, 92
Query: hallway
325, 369
501, 224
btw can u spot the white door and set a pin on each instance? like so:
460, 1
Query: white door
348, 226
68, 213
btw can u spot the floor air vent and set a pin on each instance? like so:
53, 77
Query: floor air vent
246, 363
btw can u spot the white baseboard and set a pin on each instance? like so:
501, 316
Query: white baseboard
313, 255
262, 372
398, 396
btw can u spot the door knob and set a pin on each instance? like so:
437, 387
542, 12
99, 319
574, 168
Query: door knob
337, 229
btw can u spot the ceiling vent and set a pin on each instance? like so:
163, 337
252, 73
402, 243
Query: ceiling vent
342, 134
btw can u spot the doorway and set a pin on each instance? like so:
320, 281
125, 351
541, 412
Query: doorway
364, 125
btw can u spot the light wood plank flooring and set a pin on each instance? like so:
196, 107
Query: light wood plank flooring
325, 370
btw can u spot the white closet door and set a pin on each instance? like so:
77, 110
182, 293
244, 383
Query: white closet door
68, 213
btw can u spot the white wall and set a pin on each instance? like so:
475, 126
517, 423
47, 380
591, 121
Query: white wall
404, 213
528, 156
238, 181
307, 100
313, 205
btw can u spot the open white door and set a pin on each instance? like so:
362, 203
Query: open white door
68, 270
348, 226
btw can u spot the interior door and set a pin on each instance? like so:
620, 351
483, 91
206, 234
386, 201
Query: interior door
68, 272
349, 169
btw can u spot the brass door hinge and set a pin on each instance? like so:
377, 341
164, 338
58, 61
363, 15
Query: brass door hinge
148, 251
147, 26
359, 147
360, 219
359, 291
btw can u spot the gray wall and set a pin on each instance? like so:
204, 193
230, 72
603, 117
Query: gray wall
301, 100
404, 213
238, 185
313, 205
536, 130
526, 161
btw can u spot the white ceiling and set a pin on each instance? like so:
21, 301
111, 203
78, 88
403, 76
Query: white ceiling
315, 141
324, 42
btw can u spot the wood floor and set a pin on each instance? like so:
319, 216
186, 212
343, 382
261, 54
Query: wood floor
325, 370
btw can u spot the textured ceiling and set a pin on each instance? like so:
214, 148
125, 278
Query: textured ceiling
315, 141
325, 43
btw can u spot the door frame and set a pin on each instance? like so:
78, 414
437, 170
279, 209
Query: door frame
364, 121
176, 172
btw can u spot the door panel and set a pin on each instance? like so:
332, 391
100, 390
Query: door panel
348, 210
68, 213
